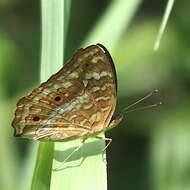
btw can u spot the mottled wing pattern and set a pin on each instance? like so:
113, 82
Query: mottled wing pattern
78, 100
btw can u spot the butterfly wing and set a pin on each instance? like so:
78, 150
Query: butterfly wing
76, 101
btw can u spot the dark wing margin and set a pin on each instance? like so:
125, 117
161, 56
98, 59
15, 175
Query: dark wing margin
111, 62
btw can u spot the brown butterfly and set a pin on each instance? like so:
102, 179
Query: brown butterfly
76, 102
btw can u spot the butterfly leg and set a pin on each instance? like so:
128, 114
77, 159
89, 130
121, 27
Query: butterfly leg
69, 156
104, 149
114, 121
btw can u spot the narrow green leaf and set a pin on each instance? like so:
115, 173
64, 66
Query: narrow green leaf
89, 158
42, 174
86, 170
27, 167
163, 24
113, 23
52, 37
67, 7
9, 157
51, 62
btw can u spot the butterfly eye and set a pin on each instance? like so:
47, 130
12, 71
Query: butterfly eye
57, 98
36, 118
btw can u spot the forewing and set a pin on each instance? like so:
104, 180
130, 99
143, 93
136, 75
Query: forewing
100, 83
74, 102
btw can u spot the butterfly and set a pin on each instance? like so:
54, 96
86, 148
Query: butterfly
77, 102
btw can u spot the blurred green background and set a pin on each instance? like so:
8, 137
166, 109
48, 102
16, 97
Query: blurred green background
151, 148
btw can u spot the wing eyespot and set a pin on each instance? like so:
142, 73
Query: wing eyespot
57, 98
87, 65
36, 118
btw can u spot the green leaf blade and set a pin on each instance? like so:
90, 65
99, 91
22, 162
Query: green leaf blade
51, 62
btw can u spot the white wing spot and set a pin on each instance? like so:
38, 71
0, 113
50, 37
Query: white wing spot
52, 120
79, 59
56, 86
93, 117
95, 88
94, 51
67, 107
88, 106
106, 85
83, 121
98, 116
102, 98
78, 106
24, 115
72, 125
92, 75
105, 109
55, 136
96, 75
96, 59
83, 99
74, 75
85, 82
105, 73
72, 117
85, 55
37, 98
67, 84
46, 91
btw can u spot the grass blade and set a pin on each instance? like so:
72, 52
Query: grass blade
86, 170
113, 23
51, 61
163, 24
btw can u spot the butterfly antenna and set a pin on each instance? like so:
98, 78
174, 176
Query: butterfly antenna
127, 109
142, 108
